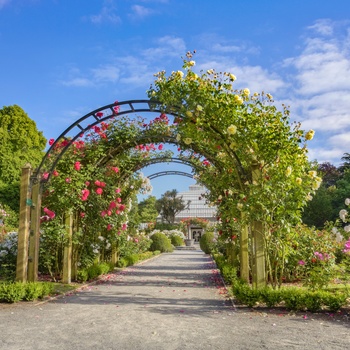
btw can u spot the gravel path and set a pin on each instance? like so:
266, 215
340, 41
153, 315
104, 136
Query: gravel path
174, 301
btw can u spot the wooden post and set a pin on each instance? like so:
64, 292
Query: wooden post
23, 230
259, 269
115, 255
244, 252
33, 260
67, 256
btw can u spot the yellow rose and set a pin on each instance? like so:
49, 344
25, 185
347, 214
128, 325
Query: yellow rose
288, 171
312, 173
191, 63
238, 99
199, 108
187, 140
178, 137
232, 129
179, 74
310, 135
298, 180
232, 77
246, 92
189, 114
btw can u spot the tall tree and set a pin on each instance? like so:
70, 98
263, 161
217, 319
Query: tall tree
147, 210
330, 173
20, 143
169, 205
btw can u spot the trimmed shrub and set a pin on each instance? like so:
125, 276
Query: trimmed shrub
161, 242
271, 297
206, 242
122, 262
245, 294
12, 292
131, 259
82, 275
176, 240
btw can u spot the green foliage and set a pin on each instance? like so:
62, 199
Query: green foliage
132, 259
176, 240
245, 294
37, 290
161, 242
319, 210
97, 269
147, 210
82, 275
296, 299
12, 292
270, 297
20, 143
229, 273
206, 242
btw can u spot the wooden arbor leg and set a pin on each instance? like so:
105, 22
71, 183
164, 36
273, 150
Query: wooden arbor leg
33, 261
67, 256
24, 219
259, 269
244, 253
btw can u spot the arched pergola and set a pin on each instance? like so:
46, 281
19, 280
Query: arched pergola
32, 181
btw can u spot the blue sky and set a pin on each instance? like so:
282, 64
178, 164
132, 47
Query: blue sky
60, 59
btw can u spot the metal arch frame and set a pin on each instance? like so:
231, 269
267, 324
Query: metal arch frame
169, 172
97, 116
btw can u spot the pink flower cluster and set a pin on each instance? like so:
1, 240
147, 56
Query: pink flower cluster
321, 256
347, 247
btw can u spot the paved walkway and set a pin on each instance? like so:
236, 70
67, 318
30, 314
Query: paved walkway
174, 301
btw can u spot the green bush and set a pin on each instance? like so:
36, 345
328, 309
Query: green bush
294, 298
176, 240
32, 291
131, 259
161, 242
206, 242
334, 301
245, 294
145, 255
156, 252
122, 262
12, 292
270, 297
82, 275
229, 273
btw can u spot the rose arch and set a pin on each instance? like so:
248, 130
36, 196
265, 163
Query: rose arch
245, 151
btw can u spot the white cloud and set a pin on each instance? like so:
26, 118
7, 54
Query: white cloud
341, 140
78, 82
140, 12
106, 73
107, 14
256, 78
166, 46
323, 27
321, 94
322, 155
